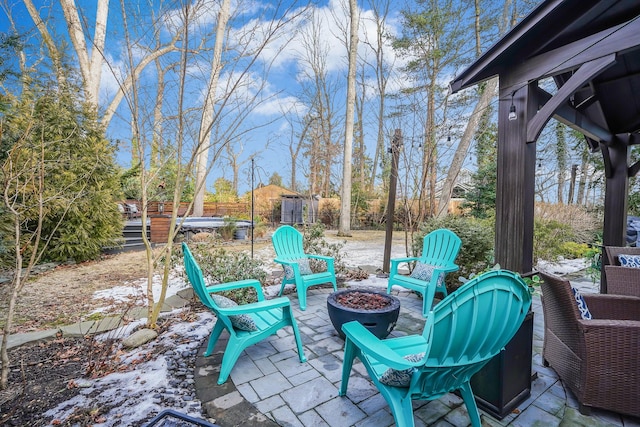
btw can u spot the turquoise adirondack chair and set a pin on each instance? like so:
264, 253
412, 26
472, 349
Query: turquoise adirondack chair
439, 251
461, 334
258, 320
287, 242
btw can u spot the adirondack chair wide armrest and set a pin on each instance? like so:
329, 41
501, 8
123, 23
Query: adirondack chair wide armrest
405, 259
449, 268
286, 261
370, 345
256, 306
321, 257
238, 285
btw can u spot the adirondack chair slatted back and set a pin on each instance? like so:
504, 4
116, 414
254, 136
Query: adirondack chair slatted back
196, 278
461, 334
288, 245
440, 247
287, 242
471, 326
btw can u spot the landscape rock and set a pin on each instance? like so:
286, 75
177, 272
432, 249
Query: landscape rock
139, 337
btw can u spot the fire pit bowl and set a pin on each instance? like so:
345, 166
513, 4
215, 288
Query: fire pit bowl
376, 311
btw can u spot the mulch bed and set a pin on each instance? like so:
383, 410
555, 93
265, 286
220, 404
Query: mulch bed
42, 375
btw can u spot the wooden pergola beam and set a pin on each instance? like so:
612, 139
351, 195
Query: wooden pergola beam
573, 118
585, 73
616, 39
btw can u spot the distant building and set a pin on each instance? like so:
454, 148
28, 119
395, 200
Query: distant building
295, 208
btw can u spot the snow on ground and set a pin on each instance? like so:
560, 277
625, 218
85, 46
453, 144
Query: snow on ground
137, 290
156, 383
565, 266
136, 394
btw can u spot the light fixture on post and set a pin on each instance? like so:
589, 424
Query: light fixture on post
512, 109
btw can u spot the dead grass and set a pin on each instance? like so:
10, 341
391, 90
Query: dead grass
64, 295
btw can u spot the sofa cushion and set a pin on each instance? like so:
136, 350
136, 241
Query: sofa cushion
632, 261
582, 304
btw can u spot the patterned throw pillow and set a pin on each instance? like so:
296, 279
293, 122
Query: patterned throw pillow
424, 272
243, 322
582, 304
402, 377
303, 265
632, 261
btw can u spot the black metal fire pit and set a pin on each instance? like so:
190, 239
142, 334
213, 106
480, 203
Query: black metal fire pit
380, 321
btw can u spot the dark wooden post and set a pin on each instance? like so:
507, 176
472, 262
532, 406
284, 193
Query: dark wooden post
614, 231
396, 145
516, 180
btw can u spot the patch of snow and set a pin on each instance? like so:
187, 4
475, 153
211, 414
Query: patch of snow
564, 266
134, 291
140, 393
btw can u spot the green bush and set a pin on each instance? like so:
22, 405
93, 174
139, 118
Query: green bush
549, 239
228, 229
476, 251
221, 266
58, 157
313, 242
573, 250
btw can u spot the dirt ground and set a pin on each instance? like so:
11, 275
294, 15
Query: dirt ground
64, 295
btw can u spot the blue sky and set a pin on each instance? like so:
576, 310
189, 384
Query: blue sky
277, 79
278, 75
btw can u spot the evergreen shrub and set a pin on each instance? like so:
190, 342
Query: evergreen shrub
476, 251
221, 266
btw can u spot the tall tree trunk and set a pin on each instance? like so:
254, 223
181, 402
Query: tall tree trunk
90, 68
380, 13
463, 147
54, 54
561, 155
344, 228
206, 123
156, 144
472, 124
582, 181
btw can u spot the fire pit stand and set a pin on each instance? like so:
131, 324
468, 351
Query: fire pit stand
379, 320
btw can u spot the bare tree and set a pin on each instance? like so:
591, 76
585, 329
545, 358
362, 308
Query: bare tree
318, 92
344, 228
561, 156
245, 53
487, 94
209, 103
376, 43
432, 37
296, 143
91, 64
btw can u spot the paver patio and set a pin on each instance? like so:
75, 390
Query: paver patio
269, 385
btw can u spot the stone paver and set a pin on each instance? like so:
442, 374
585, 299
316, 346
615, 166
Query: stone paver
269, 386
309, 395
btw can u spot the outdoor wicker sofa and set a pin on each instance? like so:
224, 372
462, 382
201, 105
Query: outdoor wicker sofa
597, 359
621, 280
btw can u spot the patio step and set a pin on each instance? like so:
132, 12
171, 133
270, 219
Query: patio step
132, 234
